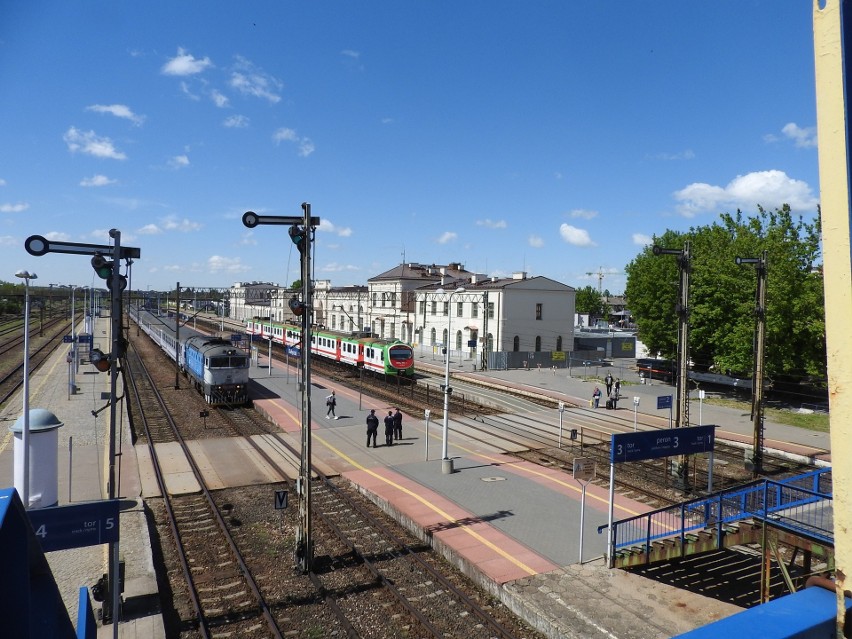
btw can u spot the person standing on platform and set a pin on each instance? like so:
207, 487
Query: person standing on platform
617, 388
397, 425
608, 382
389, 429
372, 427
596, 397
330, 402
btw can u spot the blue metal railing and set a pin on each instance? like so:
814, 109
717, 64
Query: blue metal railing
801, 504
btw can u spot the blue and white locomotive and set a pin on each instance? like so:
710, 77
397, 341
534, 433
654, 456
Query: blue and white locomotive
218, 369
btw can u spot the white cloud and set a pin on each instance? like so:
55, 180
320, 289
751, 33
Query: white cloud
491, 224
575, 236
8, 240
334, 267
585, 214
802, 137
179, 162
329, 227
447, 236
2, 182
14, 208
247, 239
640, 239
249, 80
770, 189
306, 147
535, 241
349, 53
184, 226
184, 87
119, 111
90, 143
150, 229
236, 122
57, 236
219, 99
185, 64
97, 180
220, 264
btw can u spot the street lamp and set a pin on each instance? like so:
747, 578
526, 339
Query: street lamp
635, 408
25, 439
446, 462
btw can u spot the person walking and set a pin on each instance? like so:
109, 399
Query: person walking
372, 427
397, 425
596, 397
617, 388
330, 402
389, 429
608, 382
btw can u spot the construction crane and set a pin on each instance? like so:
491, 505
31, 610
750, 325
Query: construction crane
600, 273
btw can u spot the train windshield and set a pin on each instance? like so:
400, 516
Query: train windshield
400, 352
234, 361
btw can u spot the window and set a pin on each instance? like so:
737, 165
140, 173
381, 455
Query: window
459, 309
538, 343
516, 344
432, 337
538, 312
423, 307
458, 340
490, 310
446, 308
333, 322
474, 310
559, 343
434, 307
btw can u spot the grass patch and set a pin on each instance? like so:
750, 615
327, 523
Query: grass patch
809, 421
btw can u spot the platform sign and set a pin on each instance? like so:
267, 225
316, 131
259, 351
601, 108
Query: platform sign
237, 337
651, 444
85, 338
280, 499
294, 351
584, 468
67, 339
76, 525
664, 401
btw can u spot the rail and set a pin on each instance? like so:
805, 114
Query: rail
800, 504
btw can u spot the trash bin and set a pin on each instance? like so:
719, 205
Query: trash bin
44, 452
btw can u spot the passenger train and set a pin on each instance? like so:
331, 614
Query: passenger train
217, 369
371, 353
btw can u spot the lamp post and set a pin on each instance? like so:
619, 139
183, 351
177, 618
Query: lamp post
635, 408
25, 438
446, 462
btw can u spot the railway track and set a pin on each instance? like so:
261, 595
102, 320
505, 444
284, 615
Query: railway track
41, 348
220, 587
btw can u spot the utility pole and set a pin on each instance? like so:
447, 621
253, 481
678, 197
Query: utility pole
684, 264
301, 232
757, 385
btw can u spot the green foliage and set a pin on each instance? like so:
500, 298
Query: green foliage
296, 285
588, 300
722, 294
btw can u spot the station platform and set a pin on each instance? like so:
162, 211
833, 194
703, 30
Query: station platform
510, 525
83, 470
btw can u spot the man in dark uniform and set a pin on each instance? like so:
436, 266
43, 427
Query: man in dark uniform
372, 427
397, 425
608, 382
389, 429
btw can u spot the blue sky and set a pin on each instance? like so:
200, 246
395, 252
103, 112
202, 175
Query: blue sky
554, 137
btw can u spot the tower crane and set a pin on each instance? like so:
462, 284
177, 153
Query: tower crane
600, 273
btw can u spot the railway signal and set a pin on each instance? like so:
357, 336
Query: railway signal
100, 360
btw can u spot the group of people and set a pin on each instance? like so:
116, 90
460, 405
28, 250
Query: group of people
613, 392
393, 427
393, 422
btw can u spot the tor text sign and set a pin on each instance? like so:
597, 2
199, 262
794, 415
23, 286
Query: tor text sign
651, 444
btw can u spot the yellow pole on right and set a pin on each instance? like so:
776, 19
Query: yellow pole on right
833, 139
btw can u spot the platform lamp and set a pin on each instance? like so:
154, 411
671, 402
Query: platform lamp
25, 439
446, 462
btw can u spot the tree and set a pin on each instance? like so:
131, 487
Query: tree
722, 294
588, 300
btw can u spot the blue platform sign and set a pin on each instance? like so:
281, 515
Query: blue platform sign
294, 351
664, 401
67, 339
237, 337
651, 444
76, 525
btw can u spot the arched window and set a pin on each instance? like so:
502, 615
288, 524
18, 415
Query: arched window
559, 343
489, 341
516, 344
445, 340
538, 343
432, 337
458, 340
